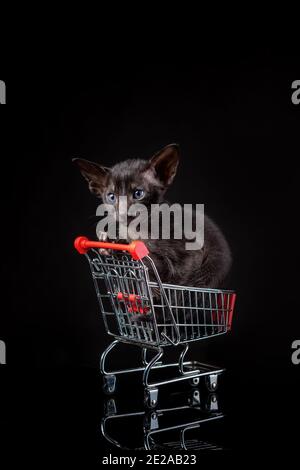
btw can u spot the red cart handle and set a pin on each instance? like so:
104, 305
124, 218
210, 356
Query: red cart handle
137, 249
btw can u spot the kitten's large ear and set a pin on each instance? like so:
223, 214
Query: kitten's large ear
165, 163
94, 174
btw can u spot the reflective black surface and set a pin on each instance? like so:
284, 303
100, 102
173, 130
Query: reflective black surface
63, 414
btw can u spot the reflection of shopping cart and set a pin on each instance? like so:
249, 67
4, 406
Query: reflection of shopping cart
175, 427
137, 308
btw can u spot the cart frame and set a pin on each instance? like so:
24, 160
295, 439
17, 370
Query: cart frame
138, 309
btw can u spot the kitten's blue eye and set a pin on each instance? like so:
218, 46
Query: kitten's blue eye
111, 197
138, 193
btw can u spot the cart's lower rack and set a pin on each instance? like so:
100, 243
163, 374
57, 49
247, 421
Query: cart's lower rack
184, 370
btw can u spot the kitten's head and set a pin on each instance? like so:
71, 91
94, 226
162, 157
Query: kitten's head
141, 181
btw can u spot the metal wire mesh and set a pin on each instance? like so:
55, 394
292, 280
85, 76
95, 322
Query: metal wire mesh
198, 313
139, 310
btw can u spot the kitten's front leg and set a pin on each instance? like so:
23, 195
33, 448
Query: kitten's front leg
102, 237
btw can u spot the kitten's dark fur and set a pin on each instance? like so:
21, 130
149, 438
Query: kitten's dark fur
207, 267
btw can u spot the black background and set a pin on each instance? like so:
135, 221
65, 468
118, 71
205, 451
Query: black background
239, 137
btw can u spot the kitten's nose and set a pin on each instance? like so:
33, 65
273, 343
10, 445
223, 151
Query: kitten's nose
122, 208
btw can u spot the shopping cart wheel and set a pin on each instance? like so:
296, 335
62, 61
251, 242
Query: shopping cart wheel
109, 383
211, 382
150, 398
194, 381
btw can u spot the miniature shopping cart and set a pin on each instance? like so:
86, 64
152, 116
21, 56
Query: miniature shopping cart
137, 308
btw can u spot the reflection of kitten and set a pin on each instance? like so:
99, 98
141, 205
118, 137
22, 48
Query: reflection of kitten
146, 182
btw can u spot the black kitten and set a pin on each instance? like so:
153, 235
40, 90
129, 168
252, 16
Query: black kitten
146, 182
